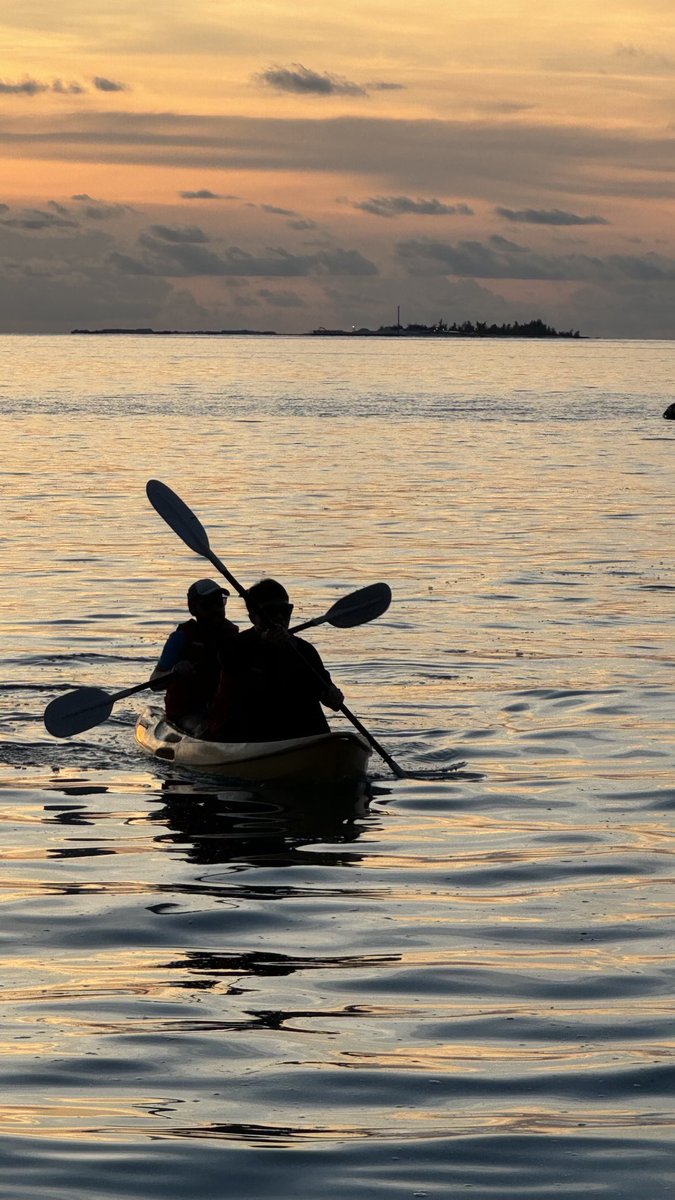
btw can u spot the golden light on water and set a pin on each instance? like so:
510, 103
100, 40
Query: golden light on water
475, 961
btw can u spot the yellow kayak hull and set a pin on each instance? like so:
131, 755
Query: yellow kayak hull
325, 757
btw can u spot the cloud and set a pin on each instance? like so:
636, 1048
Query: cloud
100, 210
58, 300
502, 243
407, 157
36, 87
106, 212
187, 258
555, 216
396, 206
27, 87
634, 311
649, 59
68, 89
407, 154
281, 299
34, 220
109, 85
296, 221
500, 259
127, 265
280, 212
301, 81
652, 268
385, 87
504, 107
55, 280
343, 262
186, 234
205, 194
467, 258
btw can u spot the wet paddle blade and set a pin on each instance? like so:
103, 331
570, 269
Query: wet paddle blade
77, 711
178, 516
360, 607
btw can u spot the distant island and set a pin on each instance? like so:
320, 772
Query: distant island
530, 329
181, 332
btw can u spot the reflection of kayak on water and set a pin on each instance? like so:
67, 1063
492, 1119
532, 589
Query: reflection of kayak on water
325, 757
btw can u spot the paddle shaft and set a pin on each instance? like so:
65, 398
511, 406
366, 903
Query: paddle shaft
140, 687
310, 624
207, 552
398, 771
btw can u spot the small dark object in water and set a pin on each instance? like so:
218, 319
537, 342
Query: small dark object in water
669, 414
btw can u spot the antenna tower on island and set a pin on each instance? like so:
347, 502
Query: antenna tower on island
398, 317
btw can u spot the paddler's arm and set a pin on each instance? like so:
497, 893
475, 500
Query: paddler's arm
327, 693
171, 660
332, 697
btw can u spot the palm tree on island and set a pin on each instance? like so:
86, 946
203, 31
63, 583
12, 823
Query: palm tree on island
535, 328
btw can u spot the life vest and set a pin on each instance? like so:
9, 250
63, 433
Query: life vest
268, 692
202, 648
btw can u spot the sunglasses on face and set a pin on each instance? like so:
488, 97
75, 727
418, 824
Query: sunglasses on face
277, 611
212, 600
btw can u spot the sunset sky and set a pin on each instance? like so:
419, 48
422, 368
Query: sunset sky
278, 165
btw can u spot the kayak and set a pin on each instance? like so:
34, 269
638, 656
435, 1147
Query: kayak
325, 757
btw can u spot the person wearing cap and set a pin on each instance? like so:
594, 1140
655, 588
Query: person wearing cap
272, 683
193, 653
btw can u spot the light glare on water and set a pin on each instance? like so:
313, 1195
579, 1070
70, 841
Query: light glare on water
462, 986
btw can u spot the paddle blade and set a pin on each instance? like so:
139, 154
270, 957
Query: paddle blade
77, 711
360, 607
178, 516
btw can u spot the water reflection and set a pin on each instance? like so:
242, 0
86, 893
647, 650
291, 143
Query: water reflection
262, 826
265, 963
68, 814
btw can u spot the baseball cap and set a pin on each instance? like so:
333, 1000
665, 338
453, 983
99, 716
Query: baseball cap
205, 587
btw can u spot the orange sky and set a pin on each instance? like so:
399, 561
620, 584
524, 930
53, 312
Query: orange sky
280, 165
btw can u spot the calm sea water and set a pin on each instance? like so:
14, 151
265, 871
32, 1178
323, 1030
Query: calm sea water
463, 986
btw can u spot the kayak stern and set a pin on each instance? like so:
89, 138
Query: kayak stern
325, 757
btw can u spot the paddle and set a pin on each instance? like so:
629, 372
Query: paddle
85, 707
183, 521
356, 609
189, 528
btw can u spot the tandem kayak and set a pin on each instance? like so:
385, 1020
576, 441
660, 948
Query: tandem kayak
325, 757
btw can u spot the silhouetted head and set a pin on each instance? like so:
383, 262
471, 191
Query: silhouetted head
268, 604
206, 600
